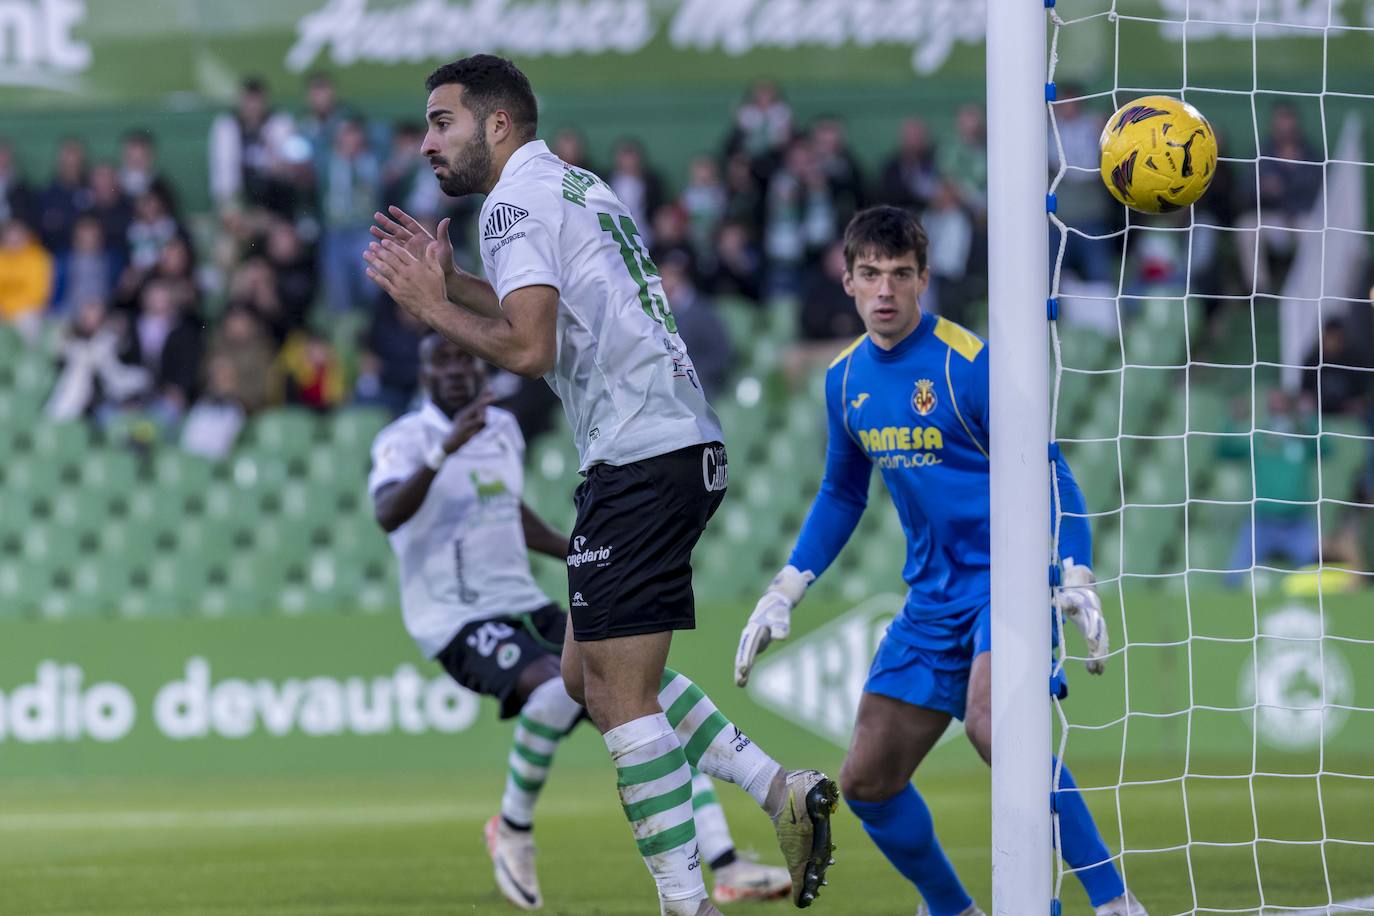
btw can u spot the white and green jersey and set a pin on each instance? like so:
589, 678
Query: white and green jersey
462, 554
621, 370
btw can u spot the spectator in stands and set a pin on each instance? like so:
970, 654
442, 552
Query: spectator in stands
910, 177
242, 341
407, 179
113, 208
571, 146
739, 265
65, 198
827, 312
165, 339
841, 169
213, 423
295, 273
175, 267
152, 228
16, 197
1285, 455
1291, 176
1341, 383
965, 161
950, 230
637, 185
253, 286
138, 169
1080, 201
310, 371
350, 191
92, 377
763, 126
250, 154
669, 233
388, 374
89, 272
26, 278
699, 323
801, 218
744, 201
323, 118
703, 200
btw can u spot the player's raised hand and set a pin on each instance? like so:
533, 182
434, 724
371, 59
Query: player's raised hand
408, 232
415, 282
771, 619
1080, 603
468, 422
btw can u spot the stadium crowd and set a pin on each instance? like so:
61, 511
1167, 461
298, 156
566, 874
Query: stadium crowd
196, 337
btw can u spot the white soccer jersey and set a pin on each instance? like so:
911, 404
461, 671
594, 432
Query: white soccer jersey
621, 370
463, 554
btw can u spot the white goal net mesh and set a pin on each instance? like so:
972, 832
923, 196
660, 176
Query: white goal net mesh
1213, 394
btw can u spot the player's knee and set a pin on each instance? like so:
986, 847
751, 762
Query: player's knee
978, 728
866, 783
573, 679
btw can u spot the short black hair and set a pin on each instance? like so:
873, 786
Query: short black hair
886, 231
490, 82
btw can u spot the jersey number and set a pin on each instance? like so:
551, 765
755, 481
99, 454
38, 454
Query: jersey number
640, 266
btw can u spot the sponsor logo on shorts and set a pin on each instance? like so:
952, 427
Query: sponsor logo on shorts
507, 655
581, 553
578, 601
715, 472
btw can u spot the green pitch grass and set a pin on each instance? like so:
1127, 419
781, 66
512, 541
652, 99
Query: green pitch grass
411, 843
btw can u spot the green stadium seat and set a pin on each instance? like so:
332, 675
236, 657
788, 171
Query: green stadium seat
173, 468
284, 431
354, 428
111, 471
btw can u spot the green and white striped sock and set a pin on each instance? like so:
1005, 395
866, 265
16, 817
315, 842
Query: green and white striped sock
655, 787
713, 833
711, 742
544, 720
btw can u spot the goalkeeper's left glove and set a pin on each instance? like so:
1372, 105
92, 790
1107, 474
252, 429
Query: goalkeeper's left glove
1079, 601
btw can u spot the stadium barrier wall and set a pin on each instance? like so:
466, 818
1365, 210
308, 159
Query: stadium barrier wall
341, 693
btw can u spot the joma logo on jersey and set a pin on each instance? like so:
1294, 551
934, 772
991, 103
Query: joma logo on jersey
923, 398
501, 218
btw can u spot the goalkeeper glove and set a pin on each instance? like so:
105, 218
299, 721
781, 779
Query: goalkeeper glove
772, 618
1079, 601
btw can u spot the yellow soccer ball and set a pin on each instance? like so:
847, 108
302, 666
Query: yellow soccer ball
1158, 154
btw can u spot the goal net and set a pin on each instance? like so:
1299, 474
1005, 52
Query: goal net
1211, 390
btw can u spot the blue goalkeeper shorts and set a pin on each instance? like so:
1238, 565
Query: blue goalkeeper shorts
927, 664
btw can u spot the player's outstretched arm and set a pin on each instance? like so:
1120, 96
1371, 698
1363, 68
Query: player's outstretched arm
394, 504
470, 291
540, 536
835, 512
1077, 596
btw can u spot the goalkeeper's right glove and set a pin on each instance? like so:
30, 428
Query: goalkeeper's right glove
1079, 601
772, 618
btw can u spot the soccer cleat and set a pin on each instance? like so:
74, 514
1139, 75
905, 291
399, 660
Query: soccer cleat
1125, 905
746, 880
971, 911
512, 857
803, 827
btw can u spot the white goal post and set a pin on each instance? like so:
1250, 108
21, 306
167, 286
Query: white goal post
1018, 286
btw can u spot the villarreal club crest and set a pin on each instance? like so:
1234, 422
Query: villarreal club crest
923, 398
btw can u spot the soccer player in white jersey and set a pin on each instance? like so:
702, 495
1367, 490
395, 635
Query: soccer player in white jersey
447, 484
573, 296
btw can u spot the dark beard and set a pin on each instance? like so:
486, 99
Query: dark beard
468, 175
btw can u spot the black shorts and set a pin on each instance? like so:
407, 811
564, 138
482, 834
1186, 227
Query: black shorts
630, 565
488, 656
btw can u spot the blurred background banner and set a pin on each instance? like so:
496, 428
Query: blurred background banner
178, 51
